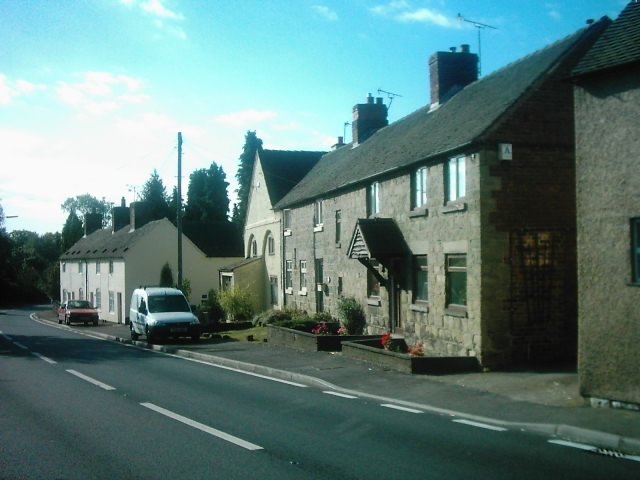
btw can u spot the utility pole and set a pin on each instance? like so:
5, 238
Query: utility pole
179, 210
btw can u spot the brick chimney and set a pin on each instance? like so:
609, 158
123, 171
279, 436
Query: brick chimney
120, 216
92, 222
140, 215
368, 118
450, 72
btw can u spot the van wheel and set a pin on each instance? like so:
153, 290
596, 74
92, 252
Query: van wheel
148, 334
134, 335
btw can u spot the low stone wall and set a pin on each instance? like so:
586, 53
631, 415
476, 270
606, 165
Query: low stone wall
366, 350
309, 342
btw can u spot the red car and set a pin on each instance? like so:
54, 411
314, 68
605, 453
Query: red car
77, 311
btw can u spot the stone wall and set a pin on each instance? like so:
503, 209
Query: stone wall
608, 197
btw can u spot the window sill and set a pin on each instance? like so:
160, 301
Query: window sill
338, 244
288, 291
287, 233
419, 212
318, 228
454, 207
421, 307
633, 284
456, 311
303, 292
374, 302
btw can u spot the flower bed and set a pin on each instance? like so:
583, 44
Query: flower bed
288, 337
371, 351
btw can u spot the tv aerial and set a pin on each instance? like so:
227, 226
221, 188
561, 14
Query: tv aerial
390, 96
480, 27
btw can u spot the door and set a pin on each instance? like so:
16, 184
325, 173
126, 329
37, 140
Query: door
395, 292
119, 307
319, 285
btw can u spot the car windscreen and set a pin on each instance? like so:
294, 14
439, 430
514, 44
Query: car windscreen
168, 303
79, 304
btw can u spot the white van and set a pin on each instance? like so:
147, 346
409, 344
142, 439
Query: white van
161, 312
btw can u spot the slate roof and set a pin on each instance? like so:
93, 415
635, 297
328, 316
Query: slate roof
214, 240
219, 239
104, 244
618, 46
283, 169
463, 120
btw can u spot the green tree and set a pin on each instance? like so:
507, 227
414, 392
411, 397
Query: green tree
252, 144
166, 276
72, 230
87, 203
207, 197
155, 194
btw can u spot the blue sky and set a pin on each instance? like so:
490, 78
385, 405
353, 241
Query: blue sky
93, 92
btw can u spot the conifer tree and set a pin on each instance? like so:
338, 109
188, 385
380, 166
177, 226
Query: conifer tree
252, 144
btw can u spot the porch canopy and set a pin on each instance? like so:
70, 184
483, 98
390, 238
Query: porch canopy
377, 239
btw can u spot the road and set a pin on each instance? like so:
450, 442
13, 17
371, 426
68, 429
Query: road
73, 406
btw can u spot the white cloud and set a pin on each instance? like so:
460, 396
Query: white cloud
325, 12
245, 118
157, 8
164, 18
402, 11
101, 92
553, 11
10, 89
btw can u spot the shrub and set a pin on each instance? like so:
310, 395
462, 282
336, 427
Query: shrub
352, 315
270, 317
236, 303
212, 307
166, 276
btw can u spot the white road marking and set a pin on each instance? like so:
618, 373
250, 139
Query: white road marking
338, 394
236, 370
46, 359
486, 426
403, 409
591, 448
204, 428
19, 345
95, 382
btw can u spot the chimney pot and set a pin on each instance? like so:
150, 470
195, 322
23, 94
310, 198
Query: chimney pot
464, 48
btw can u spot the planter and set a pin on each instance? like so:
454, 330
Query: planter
370, 351
309, 342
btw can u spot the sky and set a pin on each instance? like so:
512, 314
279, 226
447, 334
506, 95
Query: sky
93, 93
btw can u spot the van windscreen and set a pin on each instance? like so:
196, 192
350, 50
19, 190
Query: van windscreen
168, 303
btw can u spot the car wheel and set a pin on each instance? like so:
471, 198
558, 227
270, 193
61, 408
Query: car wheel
195, 338
95, 323
134, 335
149, 335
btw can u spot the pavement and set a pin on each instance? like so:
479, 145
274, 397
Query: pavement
546, 402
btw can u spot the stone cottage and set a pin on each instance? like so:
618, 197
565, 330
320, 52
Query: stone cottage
454, 226
607, 97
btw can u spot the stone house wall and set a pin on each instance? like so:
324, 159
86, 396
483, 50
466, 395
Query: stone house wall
608, 196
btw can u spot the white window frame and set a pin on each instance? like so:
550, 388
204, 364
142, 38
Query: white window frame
303, 278
286, 222
318, 219
288, 276
373, 199
419, 185
456, 178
